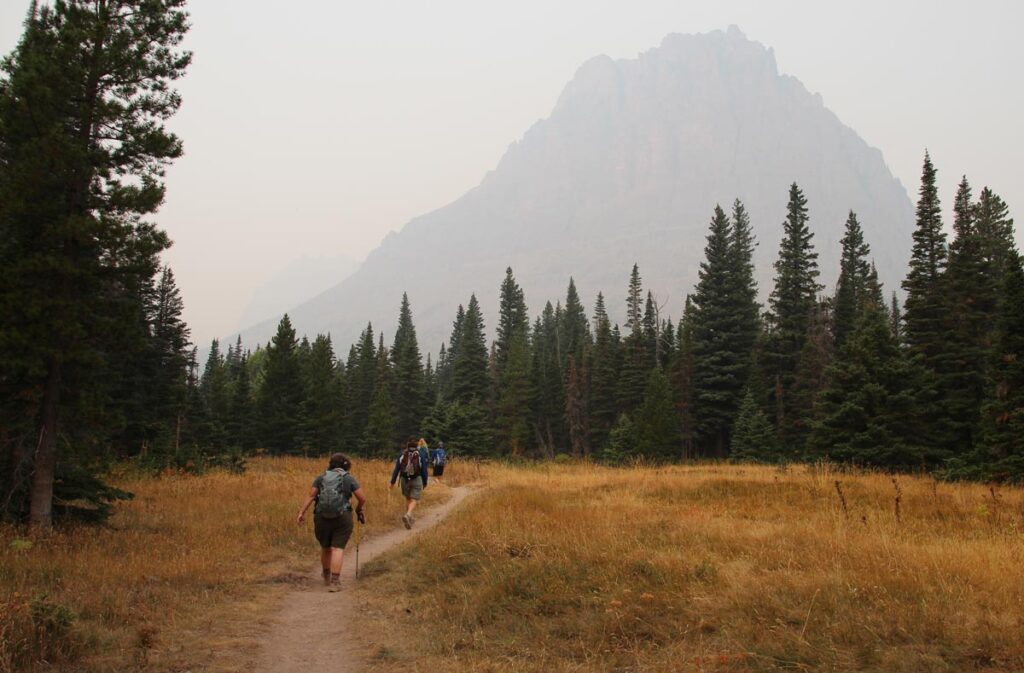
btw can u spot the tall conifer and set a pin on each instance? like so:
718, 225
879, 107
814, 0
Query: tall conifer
282, 393
408, 383
792, 300
852, 286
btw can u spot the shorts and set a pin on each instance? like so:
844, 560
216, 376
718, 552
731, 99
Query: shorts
438, 470
333, 532
412, 488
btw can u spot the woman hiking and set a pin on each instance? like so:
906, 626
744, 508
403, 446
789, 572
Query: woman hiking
332, 516
411, 466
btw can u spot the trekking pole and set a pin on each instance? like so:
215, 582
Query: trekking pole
359, 538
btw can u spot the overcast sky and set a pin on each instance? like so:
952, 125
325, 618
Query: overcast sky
315, 128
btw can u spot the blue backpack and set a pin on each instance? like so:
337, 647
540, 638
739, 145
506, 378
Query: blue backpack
439, 457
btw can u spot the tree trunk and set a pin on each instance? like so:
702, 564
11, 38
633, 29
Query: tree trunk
40, 514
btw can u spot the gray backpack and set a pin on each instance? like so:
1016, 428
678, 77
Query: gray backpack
332, 499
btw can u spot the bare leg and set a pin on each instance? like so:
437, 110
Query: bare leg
410, 506
337, 555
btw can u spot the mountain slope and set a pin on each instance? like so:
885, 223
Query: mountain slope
627, 169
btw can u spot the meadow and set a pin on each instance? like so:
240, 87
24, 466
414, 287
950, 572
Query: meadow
546, 567
709, 568
182, 578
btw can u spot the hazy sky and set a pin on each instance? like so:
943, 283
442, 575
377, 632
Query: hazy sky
315, 128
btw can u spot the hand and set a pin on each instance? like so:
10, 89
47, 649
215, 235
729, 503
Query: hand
392, 485
300, 518
361, 517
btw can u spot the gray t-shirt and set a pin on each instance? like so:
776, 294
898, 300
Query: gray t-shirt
349, 485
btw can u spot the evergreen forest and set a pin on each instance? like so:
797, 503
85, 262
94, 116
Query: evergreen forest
97, 364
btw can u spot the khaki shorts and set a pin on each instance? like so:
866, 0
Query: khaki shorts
412, 488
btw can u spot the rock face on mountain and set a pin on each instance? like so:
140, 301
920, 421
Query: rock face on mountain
628, 168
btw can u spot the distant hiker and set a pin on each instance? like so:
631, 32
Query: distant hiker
332, 516
438, 459
411, 466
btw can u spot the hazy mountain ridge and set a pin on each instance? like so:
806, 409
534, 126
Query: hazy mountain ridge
294, 284
628, 167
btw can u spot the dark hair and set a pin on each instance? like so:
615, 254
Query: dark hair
411, 444
340, 460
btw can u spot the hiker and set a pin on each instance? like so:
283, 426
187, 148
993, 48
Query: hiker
438, 459
332, 516
411, 466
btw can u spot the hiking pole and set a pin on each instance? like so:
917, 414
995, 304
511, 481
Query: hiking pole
359, 538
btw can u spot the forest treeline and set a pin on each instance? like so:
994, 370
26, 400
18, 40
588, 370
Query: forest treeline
97, 364
845, 376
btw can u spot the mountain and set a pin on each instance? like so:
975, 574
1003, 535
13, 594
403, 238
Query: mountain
628, 168
299, 280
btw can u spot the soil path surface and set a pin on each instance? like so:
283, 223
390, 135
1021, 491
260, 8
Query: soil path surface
311, 630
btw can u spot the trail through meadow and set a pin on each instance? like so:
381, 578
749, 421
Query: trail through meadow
313, 629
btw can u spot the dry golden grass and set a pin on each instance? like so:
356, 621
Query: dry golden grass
707, 568
182, 577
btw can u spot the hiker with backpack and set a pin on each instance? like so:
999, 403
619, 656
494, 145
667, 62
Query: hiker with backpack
332, 516
411, 466
439, 459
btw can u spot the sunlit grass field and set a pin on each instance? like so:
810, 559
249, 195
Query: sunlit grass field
707, 568
180, 579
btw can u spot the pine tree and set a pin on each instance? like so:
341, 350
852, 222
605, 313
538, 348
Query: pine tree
924, 311
548, 393
378, 436
810, 381
791, 301
682, 380
634, 312
876, 410
743, 287
576, 410
241, 422
512, 369
446, 365
361, 375
656, 427
1000, 454
995, 229
635, 366
575, 328
282, 393
667, 344
512, 318
512, 426
469, 368
969, 294
407, 364
896, 319
83, 153
725, 326
603, 377
216, 399
429, 384
753, 438
322, 406
852, 286
651, 337
171, 344
621, 442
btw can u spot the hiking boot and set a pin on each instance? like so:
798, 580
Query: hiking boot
327, 576
407, 520
335, 584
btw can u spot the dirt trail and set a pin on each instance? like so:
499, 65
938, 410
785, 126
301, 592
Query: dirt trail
311, 630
